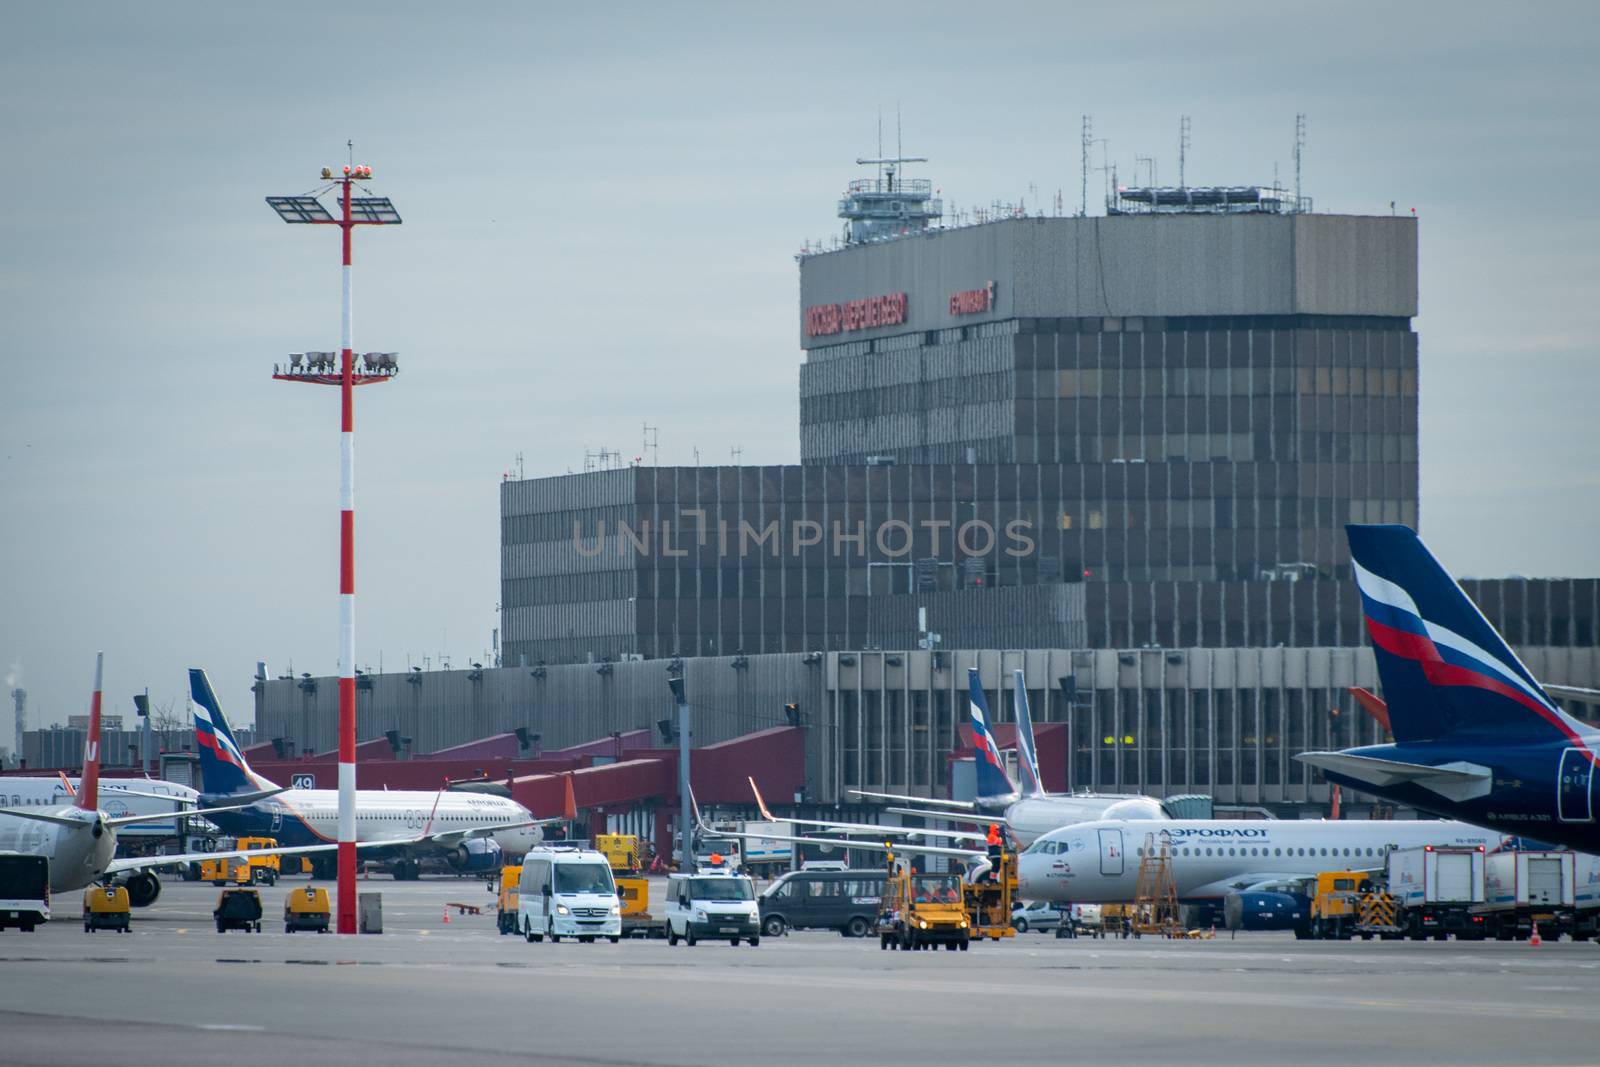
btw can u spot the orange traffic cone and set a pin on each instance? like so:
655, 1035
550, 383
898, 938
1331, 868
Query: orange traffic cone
447, 914
1535, 941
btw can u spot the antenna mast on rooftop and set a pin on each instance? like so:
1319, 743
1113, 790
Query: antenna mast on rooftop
1299, 149
1183, 150
1086, 139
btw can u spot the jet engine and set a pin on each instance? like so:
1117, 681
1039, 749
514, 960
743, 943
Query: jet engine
478, 854
143, 889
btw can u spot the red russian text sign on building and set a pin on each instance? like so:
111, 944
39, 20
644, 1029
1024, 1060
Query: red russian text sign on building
874, 311
973, 301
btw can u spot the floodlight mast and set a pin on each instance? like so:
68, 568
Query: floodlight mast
296, 210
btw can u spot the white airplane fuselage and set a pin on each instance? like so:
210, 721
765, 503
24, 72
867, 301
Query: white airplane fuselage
118, 797
1032, 817
78, 854
1098, 862
311, 816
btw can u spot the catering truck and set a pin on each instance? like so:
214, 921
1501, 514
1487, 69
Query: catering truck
1438, 891
1527, 887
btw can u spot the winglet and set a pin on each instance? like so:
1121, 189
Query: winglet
1374, 706
569, 804
761, 805
88, 797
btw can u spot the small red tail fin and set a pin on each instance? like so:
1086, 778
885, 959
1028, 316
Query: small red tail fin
89, 788
1374, 705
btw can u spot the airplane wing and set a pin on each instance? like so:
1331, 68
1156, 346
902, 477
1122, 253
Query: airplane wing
58, 820
126, 820
141, 863
846, 842
952, 816
863, 827
954, 805
451, 837
1454, 781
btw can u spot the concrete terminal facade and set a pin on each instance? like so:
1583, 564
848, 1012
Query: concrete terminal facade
1165, 721
1126, 446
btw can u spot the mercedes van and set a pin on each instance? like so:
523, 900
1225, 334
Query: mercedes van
567, 892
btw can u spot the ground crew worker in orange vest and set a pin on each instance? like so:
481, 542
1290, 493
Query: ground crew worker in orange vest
995, 846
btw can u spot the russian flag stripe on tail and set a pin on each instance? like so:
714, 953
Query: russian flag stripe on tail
1443, 667
991, 765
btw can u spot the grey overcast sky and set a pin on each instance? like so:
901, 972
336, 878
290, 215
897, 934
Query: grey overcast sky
602, 204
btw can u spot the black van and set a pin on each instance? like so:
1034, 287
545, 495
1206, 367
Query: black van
846, 901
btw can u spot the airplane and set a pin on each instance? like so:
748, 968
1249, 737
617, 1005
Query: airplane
1026, 815
118, 796
1475, 735
1098, 862
80, 839
470, 831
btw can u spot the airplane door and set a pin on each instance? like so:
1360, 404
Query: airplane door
1574, 800
1111, 852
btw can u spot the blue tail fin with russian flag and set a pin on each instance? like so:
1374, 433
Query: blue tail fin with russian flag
992, 778
1444, 669
223, 767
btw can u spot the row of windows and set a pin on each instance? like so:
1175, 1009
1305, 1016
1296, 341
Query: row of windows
1162, 382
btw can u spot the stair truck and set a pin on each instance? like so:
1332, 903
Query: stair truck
1527, 887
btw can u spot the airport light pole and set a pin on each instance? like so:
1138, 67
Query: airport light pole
686, 826
318, 368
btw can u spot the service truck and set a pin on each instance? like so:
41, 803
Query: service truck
24, 891
1586, 897
1527, 887
1438, 892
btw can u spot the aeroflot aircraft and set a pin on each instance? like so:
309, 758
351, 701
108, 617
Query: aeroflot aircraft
1476, 737
1098, 863
471, 831
999, 800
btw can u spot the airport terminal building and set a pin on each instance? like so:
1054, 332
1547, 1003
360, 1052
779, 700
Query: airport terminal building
1118, 452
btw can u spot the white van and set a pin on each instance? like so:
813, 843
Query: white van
567, 892
714, 903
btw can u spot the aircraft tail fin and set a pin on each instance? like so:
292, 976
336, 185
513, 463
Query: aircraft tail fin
222, 763
88, 797
1443, 667
992, 778
1027, 751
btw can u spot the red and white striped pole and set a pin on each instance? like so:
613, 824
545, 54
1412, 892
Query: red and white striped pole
347, 594
377, 211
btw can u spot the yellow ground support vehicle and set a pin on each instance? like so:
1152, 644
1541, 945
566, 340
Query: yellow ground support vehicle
1345, 903
506, 899
989, 901
923, 911
1116, 920
106, 907
243, 870
307, 908
633, 889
